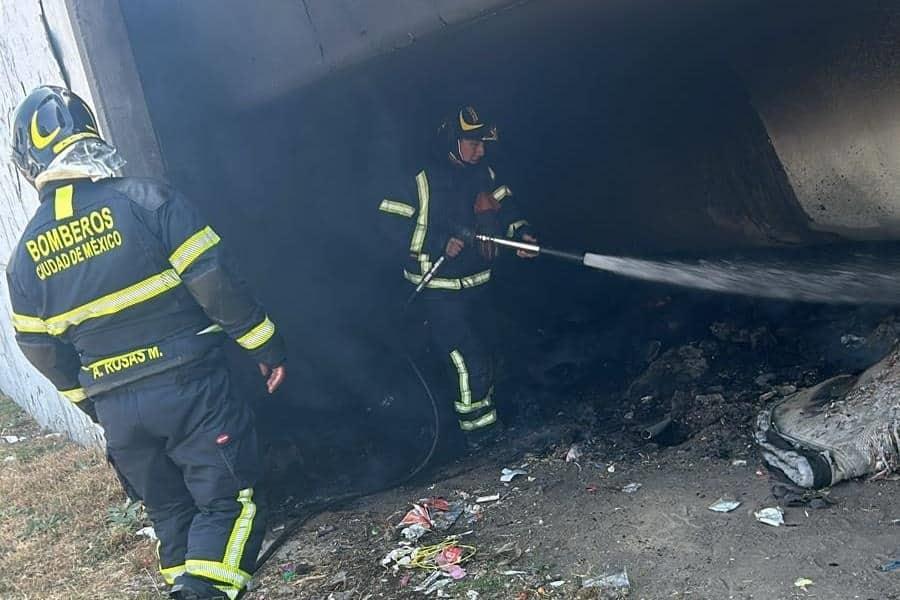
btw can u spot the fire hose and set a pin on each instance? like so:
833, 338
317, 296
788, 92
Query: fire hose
313, 508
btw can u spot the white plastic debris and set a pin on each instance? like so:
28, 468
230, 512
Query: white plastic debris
510, 573
472, 595
434, 583
612, 581
770, 516
491, 498
724, 506
803, 583
631, 488
557, 583
611, 468
740, 462
414, 532
12, 439
574, 453
507, 475
10, 458
400, 557
852, 341
147, 532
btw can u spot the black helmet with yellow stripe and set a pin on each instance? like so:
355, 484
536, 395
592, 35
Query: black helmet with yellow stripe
48, 120
465, 124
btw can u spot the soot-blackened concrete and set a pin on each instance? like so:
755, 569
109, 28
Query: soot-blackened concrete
624, 129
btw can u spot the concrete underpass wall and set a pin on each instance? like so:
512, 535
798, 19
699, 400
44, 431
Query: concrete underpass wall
617, 136
828, 90
26, 61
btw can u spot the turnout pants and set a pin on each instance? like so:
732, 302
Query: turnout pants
188, 449
459, 337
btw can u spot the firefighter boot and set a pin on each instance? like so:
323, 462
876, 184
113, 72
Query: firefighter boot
191, 588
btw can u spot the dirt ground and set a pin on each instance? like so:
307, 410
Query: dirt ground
561, 523
568, 522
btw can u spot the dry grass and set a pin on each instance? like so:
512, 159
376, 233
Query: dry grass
63, 533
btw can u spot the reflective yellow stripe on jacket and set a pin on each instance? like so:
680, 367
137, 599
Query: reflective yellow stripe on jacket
396, 208
418, 237
193, 248
257, 336
75, 395
104, 306
439, 283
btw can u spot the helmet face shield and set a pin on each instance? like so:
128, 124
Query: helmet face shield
49, 120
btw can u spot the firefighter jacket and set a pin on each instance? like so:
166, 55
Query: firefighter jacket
119, 279
439, 204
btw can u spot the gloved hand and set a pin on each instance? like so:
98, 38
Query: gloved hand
454, 247
525, 253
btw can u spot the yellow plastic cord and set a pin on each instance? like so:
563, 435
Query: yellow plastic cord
424, 557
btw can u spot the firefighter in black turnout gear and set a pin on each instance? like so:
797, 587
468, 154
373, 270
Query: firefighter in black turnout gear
122, 299
455, 195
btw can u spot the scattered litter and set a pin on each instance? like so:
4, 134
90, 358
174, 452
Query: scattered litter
414, 533
558, 583
631, 488
147, 532
591, 488
724, 506
472, 595
611, 468
53, 436
434, 582
447, 518
347, 595
288, 573
507, 475
278, 528
398, 557
612, 581
12, 439
770, 516
451, 555
654, 430
740, 462
790, 495
891, 566
10, 458
803, 583
574, 453
510, 573
491, 498
473, 513
852, 341
508, 553
435, 503
418, 515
